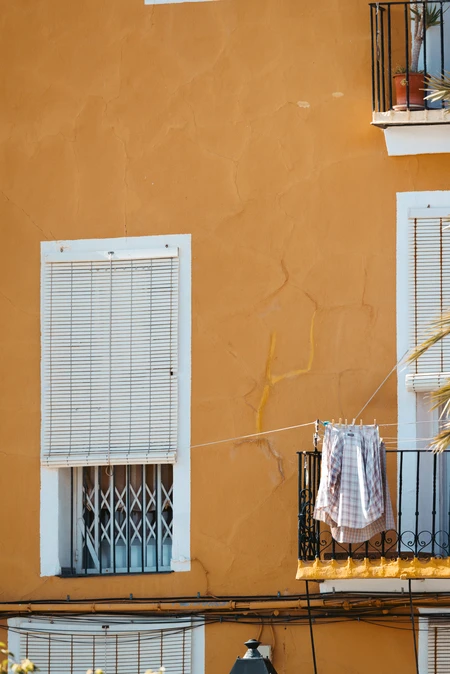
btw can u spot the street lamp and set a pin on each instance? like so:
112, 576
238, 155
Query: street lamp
253, 662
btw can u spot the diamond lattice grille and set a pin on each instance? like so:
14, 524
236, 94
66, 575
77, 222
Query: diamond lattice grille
125, 518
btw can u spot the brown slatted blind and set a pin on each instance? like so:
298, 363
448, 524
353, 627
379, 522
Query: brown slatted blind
438, 647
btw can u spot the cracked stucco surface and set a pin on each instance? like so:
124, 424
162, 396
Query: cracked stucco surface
245, 123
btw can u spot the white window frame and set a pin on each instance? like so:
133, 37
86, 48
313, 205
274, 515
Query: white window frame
423, 646
16, 624
55, 483
412, 407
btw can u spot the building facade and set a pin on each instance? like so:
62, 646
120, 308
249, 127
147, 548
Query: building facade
207, 246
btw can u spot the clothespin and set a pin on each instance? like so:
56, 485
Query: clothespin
361, 423
374, 422
340, 421
346, 422
316, 436
353, 422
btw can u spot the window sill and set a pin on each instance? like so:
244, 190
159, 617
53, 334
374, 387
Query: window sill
67, 575
411, 132
410, 117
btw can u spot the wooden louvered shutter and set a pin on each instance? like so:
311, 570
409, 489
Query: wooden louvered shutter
71, 649
429, 295
438, 647
110, 358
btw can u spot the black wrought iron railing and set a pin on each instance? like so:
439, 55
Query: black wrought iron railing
420, 492
410, 41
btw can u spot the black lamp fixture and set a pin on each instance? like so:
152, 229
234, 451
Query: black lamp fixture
253, 662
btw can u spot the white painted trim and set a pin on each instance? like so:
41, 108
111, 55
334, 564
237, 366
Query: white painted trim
69, 255
412, 407
383, 585
423, 645
411, 117
423, 636
406, 400
411, 140
198, 649
51, 525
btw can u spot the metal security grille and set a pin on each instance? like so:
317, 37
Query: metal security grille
438, 647
429, 291
68, 648
110, 358
123, 519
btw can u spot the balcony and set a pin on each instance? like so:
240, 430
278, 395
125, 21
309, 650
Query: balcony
419, 547
410, 41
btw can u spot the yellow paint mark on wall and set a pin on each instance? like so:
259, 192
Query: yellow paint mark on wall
270, 380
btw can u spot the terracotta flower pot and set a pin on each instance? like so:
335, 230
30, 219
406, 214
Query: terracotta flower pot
416, 91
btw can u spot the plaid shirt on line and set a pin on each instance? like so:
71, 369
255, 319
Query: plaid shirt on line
353, 497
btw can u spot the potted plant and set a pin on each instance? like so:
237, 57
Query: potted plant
423, 17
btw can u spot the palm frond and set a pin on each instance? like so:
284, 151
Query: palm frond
438, 331
441, 398
442, 440
438, 88
432, 16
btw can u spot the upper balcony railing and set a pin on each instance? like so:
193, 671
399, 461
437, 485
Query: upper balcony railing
410, 42
419, 546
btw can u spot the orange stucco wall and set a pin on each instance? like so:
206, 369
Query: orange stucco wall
247, 124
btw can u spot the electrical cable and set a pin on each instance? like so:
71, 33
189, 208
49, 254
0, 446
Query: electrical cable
413, 625
311, 631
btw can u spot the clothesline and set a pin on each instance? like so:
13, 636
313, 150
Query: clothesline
253, 435
312, 423
387, 439
406, 423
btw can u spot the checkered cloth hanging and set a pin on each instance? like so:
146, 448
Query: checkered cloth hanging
353, 497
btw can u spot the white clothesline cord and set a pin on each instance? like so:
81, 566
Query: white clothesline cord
409, 440
406, 423
253, 435
311, 423
381, 385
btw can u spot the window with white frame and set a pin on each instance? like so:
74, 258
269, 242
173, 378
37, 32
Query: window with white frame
112, 644
434, 641
115, 322
423, 294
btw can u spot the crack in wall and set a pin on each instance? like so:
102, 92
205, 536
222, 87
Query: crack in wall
28, 313
207, 592
25, 213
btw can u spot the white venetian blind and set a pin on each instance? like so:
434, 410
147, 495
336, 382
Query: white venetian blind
429, 293
109, 358
438, 647
68, 648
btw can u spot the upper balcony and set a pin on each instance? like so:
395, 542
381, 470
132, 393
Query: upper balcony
418, 547
410, 41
